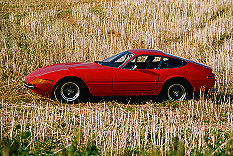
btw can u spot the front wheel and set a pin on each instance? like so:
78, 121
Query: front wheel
68, 92
176, 92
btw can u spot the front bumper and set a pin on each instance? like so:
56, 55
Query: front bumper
28, 85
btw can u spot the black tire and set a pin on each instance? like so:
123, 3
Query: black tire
176, 91
68, 92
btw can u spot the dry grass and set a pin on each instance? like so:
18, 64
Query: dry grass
38, 33
114, 127
201, 31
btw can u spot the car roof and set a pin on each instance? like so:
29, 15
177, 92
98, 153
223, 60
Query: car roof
160, 53
147, 52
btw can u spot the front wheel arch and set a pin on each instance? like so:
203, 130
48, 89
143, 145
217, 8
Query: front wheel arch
74, 79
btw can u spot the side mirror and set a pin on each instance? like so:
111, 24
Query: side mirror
134, 67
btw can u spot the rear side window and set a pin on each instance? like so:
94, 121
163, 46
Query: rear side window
172, 63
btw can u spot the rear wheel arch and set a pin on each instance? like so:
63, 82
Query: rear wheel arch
73, 79
178, 80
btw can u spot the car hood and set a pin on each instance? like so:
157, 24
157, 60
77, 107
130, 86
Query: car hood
59, 67
66, 66
45, 70
83, 65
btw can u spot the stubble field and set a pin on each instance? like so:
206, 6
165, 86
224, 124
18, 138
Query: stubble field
37, 33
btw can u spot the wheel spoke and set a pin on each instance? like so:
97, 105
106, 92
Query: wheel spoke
70, 91
176, 92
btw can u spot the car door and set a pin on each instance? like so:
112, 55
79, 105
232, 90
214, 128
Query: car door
140, 74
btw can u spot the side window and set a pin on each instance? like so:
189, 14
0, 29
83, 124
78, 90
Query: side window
130, 64
171, 63
142, 58
144, 62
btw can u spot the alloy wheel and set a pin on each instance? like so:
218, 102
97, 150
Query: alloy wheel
176, 92
70, 91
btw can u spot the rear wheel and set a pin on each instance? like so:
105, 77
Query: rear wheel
175, 91
68, 92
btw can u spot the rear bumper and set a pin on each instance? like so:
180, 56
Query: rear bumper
29, 86
204, 85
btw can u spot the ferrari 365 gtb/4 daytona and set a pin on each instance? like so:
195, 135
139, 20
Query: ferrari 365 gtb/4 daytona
131, 73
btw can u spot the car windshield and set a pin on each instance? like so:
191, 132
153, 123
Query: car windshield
116, 60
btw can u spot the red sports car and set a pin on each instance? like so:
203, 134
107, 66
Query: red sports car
131, 73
